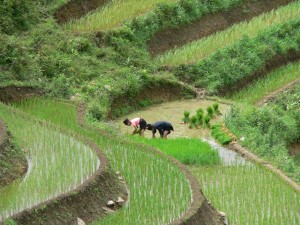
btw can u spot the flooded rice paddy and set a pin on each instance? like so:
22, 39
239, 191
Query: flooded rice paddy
248, 193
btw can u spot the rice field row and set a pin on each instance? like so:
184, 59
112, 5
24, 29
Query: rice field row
113, 14
249, 194
155, 197
189, 151
262, 87
57, 164
204, 47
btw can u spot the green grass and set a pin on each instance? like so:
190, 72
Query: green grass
273, 81
113, 14
191, 151
57, 163
249, 195
152, 193
297, 160
204, 47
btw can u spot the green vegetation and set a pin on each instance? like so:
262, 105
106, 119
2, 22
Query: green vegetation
190, 151
166, 13
101, 71
113, 14
203, 48
219, 132
262, 87
57, 163
267, 132
186, 118
230, 65
140, 168
199, 120
249, 194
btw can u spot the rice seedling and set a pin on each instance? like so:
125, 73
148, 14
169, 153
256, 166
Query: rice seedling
155, 197
262, 87
204, 47
249, 194
113, 14
57, 163
191, 151
186, 118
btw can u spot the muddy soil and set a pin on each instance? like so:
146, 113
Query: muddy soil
173, 112
154, 93
75, 9
294, 149
13, 164
207, 25
13, 94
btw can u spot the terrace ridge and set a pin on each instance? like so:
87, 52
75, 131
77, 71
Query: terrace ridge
175, 37
276, 62
15, 163
273, 94
75, 9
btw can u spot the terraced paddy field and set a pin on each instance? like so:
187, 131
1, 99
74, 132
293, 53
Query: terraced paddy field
140, 169
57, 163
243, 55
248, 193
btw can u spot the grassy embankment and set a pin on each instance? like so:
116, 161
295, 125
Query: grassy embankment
230, 66
115, 13
57, 163
203, 48
141, 170
159, 12
262, 87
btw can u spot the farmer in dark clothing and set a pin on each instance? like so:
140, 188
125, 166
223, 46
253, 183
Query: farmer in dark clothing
163, 127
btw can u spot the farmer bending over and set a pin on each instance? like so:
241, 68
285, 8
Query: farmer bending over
163, 127
139, 125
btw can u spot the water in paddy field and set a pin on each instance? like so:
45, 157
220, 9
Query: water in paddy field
173, 113
228, 157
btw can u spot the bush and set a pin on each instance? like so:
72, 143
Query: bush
17, 15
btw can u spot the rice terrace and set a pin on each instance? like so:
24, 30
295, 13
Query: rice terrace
126, 112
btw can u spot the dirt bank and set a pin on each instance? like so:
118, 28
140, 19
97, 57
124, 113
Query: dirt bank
75, 9
273, 94
149, 94
13, 164
273, 64
13, 93
207, 25
294, 149
87, 201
